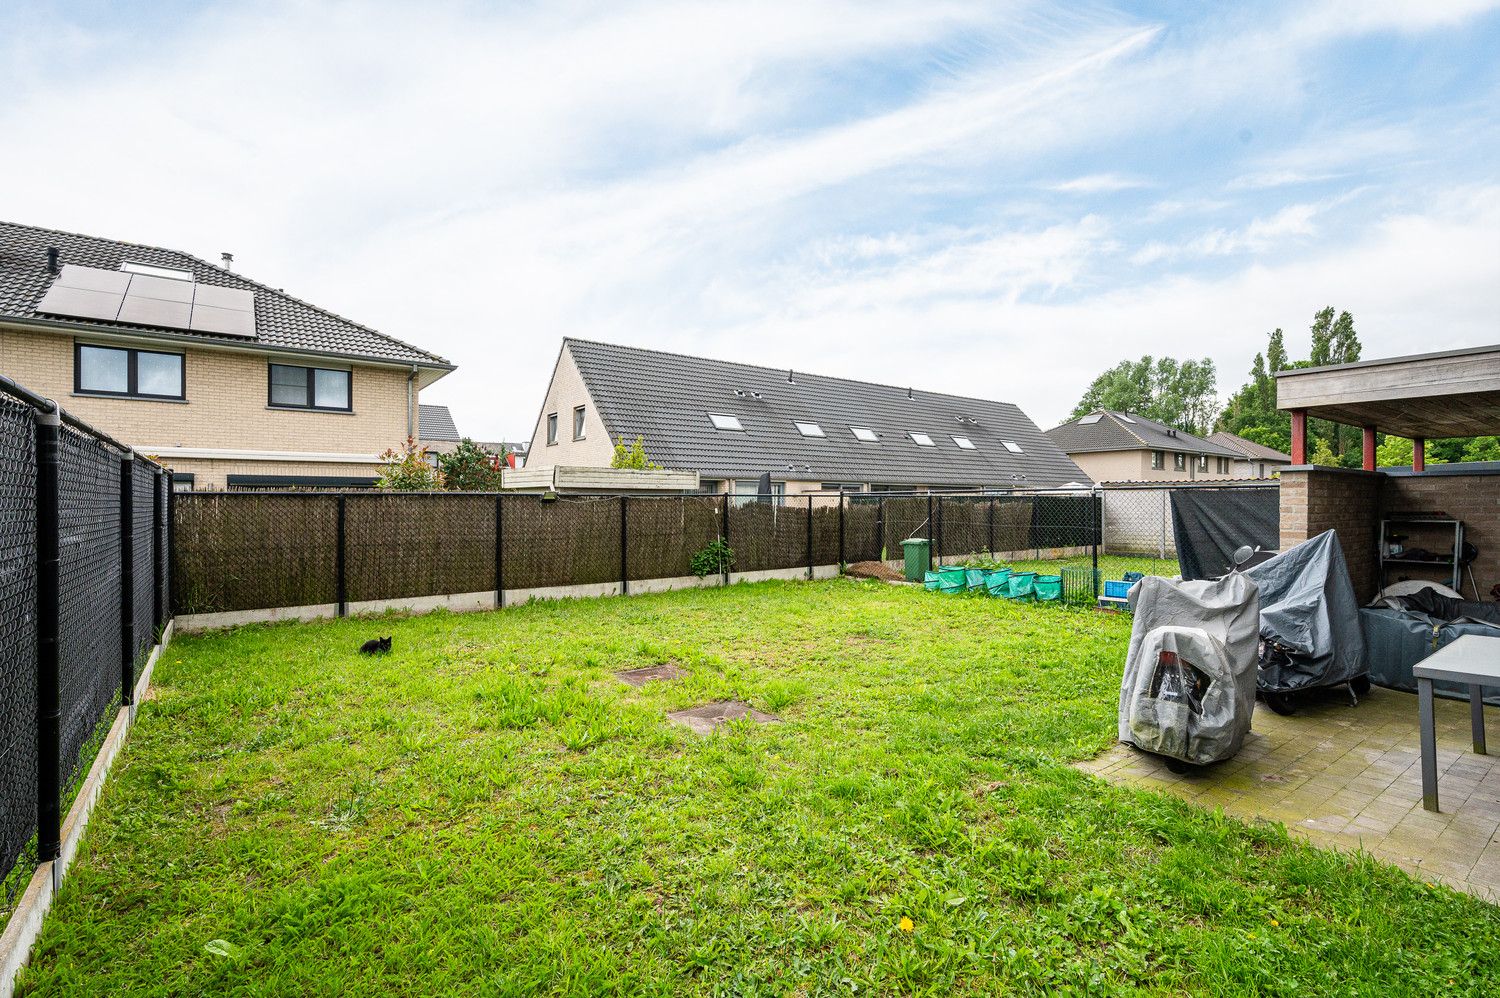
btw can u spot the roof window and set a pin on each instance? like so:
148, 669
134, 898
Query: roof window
810, 429
864, 433
1124, 417
921, 439
964, 443
169, 273
722, 422
1012, 446
1091, 419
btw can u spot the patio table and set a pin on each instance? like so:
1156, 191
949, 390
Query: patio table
1473, 660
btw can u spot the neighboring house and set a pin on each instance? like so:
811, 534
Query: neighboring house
436, 431
1258, 461
1124, 447
732, 423
230, 383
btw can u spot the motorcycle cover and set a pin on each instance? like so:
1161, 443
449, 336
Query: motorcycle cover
1189, 684
1309, 618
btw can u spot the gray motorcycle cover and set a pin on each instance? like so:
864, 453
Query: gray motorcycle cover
1307, 607
1189, 684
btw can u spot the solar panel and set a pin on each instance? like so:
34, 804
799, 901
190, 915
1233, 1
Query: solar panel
148, 299
81, 303
155, 312
230, 298
228, 321
161, 288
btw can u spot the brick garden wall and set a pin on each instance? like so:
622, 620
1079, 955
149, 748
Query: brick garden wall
1317, 499
1474, 499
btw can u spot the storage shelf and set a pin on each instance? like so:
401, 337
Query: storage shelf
1435, 562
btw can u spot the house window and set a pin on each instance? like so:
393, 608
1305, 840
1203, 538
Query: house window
747, 490
722, 422
964, 443
551, 428
1202, 462
578, 423
710, 486
922, 439
1179, 462
182, 481
809, 429
1157, 460
841, 487
294, 387
1012, 446
1222, 465
864, 433
129, 373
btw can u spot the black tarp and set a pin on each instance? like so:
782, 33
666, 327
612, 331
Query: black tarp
1309, 616
1435, 604
1209, 524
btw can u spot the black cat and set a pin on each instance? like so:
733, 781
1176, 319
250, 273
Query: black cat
375, 646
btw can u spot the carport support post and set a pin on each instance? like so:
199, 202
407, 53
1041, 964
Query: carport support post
1418, 453
1299, 436
48, 652
341, 591
1369, 463
127, 579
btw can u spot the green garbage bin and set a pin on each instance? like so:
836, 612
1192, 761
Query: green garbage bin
918, 554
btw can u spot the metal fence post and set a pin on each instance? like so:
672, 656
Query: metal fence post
991, 548
841, 527
939, 527
880, 526
1096, 510
724, 527
809, 537
624, 552
159, 548
127, 579
169, 594
341, 585
936, 556
48, 650
499, 550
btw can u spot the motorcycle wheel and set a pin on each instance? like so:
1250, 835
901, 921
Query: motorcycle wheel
1281, 703
1178, 766
1360, 685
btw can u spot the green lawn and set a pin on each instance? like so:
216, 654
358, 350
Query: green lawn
488, 811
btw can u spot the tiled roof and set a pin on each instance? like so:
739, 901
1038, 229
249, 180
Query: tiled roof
1249, 448
281, 321
435, 422
666, 398
1117, 431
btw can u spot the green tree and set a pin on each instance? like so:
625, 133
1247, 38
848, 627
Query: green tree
1323, 454
407, 470
633, 456
471, 468
1182, 394
1482, 449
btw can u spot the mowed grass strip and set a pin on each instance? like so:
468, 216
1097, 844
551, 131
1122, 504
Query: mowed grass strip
489, 810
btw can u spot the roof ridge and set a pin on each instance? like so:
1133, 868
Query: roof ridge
765, 367
238, 276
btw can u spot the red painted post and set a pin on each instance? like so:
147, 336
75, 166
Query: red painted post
1369, 448
1418, 453
1299, 436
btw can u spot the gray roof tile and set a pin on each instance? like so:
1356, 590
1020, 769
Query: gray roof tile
1249, 448
281, 321
435, 422
666, 398
1116, 431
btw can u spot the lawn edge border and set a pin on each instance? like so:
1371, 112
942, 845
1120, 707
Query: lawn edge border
26, 920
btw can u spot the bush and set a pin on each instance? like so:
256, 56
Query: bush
633, 457
471, 468
713, 559
407, 470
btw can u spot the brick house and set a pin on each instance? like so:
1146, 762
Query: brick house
229, 382
1127, 447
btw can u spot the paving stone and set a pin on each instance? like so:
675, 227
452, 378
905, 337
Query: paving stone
652, 673
706, 718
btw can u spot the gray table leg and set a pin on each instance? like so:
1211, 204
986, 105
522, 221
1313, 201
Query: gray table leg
1429, 745
1476, 717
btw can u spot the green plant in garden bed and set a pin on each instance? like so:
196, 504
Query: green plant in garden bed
713, 558
488, 810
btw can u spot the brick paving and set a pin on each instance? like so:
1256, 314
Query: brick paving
1351, 778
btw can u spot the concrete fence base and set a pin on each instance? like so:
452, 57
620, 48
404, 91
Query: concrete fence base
26, 921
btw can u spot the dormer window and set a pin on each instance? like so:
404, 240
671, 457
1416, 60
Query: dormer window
722, 422
964, 443
810, 429
921, 439
864, 433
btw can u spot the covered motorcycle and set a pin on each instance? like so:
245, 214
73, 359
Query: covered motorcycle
1188, 692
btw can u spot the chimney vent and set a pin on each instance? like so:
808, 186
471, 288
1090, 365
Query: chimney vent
52, 255
228, 259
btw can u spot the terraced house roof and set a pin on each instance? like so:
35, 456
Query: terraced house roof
1106, 430
282, 322
669, 400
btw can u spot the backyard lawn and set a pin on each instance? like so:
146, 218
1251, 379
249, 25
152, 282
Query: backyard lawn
489, 811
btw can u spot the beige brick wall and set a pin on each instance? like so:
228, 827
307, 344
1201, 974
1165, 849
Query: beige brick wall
213, 474
1474, 499
1347, 502
565, 393
226, 406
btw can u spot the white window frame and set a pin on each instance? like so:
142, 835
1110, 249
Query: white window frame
920, 439
873, 438
727, 423
551, 429
964, 443
1012, 446
580, 421
809, 429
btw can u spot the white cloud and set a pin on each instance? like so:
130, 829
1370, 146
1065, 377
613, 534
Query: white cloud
1097, 183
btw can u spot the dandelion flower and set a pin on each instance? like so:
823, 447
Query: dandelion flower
1275, 924
906, 924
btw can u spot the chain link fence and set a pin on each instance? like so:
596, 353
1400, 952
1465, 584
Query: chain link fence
82, 573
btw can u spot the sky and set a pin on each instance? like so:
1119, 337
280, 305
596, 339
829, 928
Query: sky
997, 199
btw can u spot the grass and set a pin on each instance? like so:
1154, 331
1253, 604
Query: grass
488, 811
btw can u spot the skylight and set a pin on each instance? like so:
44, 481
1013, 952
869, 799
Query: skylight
1124, 417
922, 439
722, 422
964, 443
1091, 419
150, 271
864, 433
810, 429
1012, 446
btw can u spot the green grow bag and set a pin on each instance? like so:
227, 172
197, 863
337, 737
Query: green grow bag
998, 582
974, 578
1021, 585
931, 580
952, 579
1048, 587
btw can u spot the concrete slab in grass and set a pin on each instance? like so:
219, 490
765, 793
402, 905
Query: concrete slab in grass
703, 720
651, 673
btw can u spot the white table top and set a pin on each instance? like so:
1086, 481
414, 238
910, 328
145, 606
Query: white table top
1473, 659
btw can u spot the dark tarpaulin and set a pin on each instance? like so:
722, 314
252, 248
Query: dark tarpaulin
1309, 614
1209, 524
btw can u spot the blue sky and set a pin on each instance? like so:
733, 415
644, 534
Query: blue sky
997, 199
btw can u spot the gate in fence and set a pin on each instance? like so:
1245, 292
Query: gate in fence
83, 576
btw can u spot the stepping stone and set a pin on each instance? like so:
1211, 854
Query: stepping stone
640, 677
703, 720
